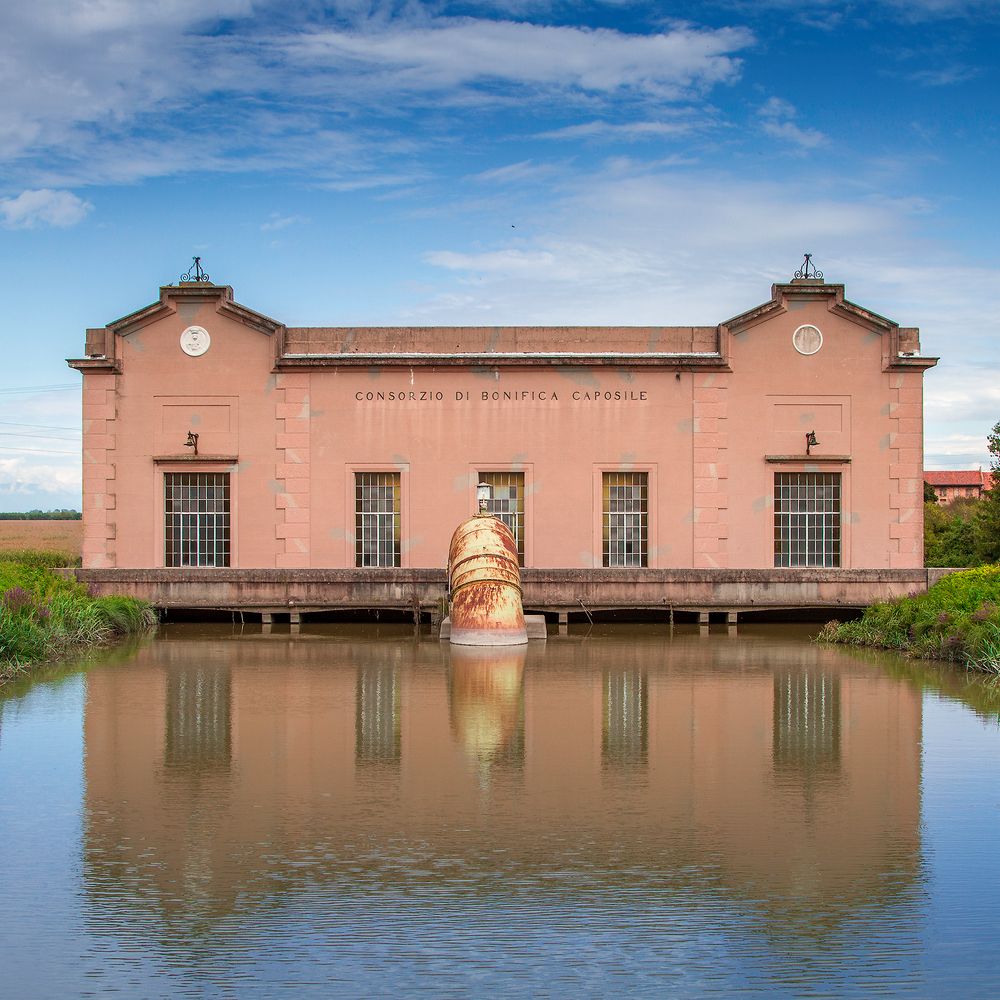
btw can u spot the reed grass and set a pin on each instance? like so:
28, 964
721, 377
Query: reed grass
956, 619
45, 615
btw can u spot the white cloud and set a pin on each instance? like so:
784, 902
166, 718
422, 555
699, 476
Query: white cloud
276, 222
945, 76
559, 261
776, 121
43, 207
22, 477
961, 401
464, 52
630, 245
525, 170
115, 91
956, 451
367, 181
40, 463
820, 12
629, 131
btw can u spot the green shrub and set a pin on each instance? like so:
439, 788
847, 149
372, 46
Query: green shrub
44, 614
956, 619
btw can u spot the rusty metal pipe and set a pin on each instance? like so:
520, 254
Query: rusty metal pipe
485, 585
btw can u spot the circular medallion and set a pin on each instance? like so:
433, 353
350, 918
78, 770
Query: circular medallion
195, 341
807, 339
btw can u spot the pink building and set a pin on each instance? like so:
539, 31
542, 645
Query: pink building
959, 484
789, 436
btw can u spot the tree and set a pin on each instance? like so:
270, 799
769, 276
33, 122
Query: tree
987, 522
949, 534
930, 496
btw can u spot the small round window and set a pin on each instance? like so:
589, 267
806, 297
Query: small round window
807, 339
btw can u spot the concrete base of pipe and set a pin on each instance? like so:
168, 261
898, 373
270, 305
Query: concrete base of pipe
488, 637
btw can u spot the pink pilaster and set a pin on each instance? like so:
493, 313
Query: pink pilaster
710, 421
292, 471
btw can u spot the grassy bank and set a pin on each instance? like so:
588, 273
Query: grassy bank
957, 619
44, 615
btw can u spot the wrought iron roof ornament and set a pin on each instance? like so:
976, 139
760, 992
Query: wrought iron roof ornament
804, 270
194, 272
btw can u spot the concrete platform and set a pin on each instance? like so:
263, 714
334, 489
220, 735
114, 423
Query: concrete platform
535, 624
423, 592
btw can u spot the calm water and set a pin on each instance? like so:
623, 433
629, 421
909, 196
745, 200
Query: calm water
355, 811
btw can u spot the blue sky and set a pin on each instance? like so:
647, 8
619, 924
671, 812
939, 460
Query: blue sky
493, 162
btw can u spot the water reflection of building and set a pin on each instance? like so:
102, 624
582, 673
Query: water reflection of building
198, 717
807, 722
377, 719
625, 733
726, 744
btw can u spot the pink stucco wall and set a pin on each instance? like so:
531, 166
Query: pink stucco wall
292, 416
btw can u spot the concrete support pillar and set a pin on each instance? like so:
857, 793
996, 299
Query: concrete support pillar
266, 618
703, 618
294, 617
732, 617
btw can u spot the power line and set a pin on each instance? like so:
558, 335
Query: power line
44, 427
41, 388
28, 434
38, 451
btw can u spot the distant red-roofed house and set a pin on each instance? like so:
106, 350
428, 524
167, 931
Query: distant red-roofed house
958, 484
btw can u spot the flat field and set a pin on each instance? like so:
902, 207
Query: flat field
60, 536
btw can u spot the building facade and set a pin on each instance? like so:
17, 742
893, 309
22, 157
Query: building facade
790, 436
959, 484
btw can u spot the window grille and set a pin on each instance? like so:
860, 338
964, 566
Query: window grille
377, 715
377, 521
625, 734
625, 518
508, 503
806, 722
198, 717
807, 519
196, 518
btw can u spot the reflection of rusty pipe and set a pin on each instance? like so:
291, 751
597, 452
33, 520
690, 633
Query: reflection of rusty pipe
485, 698
485, 585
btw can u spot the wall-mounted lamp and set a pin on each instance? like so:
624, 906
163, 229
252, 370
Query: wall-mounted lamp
484, 494
192, 441
811, 441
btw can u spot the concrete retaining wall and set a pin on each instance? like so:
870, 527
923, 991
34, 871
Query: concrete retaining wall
554, 590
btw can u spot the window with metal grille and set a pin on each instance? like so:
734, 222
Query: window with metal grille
376, 521
198, 717
508, 503
625, 734
807, 723
807, 519
625, 526
196, 518
377, 715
